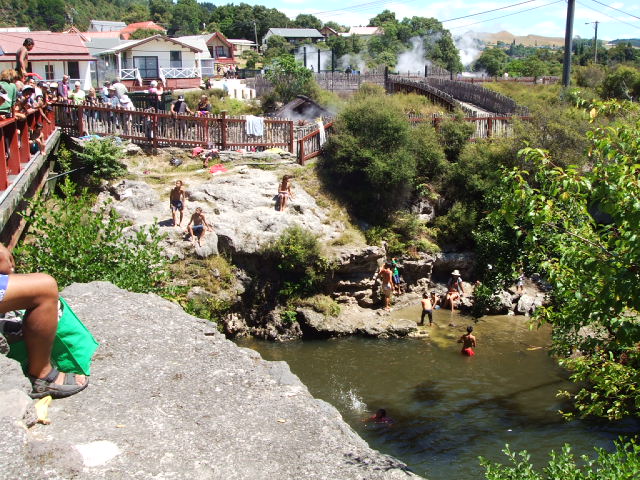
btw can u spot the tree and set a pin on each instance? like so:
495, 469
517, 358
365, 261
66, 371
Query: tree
492, 61
290, 78
161, 11
252, 57
336, 26
143, 33
386, 16
534, 67
52, 14
445, 53
187, 17
277, 46
623, 83
579, 229
137, 13
307, 21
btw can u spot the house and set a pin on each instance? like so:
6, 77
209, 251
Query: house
217, 51
294, 35
53, 55
241, 45
126, 32
137, 62
105, 26
329, 32
302, 107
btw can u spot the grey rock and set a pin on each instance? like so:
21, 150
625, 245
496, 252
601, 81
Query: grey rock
181, 402
525, 305
16, 405
132, 149
445, 263
4, 345
11, 376
13, 450
425, 209
134, 195
414, 270
504, 303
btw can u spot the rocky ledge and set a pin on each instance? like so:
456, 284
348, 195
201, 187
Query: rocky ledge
170, 397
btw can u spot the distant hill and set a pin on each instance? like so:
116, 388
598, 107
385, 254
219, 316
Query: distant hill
528, 40
634, 41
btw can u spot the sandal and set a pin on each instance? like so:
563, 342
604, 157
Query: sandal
47, 386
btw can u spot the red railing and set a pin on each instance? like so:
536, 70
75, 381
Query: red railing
310, 145
15, 146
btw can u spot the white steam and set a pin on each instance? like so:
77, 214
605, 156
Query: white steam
413, 60
470, 48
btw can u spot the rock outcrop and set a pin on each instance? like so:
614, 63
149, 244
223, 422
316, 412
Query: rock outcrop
170, 397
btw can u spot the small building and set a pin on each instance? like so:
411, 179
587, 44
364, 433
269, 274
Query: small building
138, 62
53, 55
302, 107
105, 26
217, 51
329, 32
241, 45
363, 31
294, 35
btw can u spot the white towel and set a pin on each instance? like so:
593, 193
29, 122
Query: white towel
254, 125
322, 134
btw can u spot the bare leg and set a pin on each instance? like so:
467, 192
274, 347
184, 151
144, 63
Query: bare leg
38, 294
173, 215
181, 214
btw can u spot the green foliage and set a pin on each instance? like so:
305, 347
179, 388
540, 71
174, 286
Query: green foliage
210, 308
74, 241
289, 317
321, 304
220, 101
187, 17
252, 57
143, 33
301, 267
455, 228
493, 61
590, 76
237, 21
579, 229
102, 157
454, 135
290, 78
622, 464
622, 83
277, 46
405, 234
304, 20
138, 13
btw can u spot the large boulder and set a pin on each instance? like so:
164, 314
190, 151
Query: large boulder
170, 397
445, 263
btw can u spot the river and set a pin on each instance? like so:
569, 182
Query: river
448, 409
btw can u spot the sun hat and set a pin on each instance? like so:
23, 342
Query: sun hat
154, 83
455, 273
76, 84
125, 99
181, 97
53, 85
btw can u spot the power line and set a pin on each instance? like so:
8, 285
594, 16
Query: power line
614, 8
367, 5
507, 15
488, 11
609, 16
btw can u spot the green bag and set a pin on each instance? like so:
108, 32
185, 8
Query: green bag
73, 346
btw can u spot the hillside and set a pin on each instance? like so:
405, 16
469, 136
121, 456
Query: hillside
634, 41
527, 40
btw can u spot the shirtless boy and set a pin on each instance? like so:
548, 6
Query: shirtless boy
427, 309
386, 275
199, 225
468, 342
177, 201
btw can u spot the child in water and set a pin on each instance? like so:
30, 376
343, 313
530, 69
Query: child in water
427, 309
468, 342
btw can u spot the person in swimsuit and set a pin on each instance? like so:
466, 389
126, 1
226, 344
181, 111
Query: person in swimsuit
468, 342
379, 417
22, 56
177, 201
284, 192
37, 293
386, 275
199, 225
455, 290
427, 309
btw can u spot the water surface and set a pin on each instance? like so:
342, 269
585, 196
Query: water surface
448, 408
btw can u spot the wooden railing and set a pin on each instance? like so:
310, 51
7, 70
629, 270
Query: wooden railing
489, 126
310, 145
155, 129
15, 146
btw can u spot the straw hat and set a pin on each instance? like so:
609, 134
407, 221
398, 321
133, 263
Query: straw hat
125, 99
455, 273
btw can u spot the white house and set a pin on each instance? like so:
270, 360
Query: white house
158, 57
53, 55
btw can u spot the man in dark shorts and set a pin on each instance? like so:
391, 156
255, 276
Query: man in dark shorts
386, 275
468, 342
199, 225
176, 202
427, 309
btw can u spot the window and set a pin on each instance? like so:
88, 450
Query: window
73, 70
49, 72
175, 59
147, 66
221, 51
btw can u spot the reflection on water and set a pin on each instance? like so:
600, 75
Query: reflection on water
448, 409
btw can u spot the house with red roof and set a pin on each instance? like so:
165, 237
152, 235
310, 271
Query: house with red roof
217, 52
126, 32
53, 55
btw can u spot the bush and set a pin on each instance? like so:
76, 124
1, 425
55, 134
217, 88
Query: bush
622, 83
220, 100
455, 228
454, 135
299, 262
103, 157
321, 304
590, 76
74, 242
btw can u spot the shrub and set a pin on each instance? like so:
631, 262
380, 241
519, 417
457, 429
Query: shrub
298, 260
103, 158
590, 76
210, 308
321, 304
622, 83
454, 135
74, 242
455, 228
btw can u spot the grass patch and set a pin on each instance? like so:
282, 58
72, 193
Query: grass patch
213, 273
321, 304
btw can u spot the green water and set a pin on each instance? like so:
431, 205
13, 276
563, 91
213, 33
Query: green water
448, 408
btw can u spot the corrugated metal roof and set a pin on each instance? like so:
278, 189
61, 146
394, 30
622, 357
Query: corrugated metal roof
106, 25
45, 43
197, 41
296, 32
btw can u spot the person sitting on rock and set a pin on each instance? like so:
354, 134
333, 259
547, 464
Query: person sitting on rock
284, 192
455, 290
199, 225
37, 293
177, 201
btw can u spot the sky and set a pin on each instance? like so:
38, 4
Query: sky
538, 17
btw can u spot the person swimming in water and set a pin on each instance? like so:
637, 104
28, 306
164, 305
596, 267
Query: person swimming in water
379, 417
468, 342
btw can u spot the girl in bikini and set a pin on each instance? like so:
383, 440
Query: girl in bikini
284, 192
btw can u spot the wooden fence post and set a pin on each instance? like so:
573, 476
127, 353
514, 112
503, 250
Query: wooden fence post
301, 152
80, 113
4, 177
489, 126
291, 132
224, 130
154, 133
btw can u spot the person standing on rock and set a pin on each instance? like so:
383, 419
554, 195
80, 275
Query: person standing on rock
455, 290
386, 277
199, 225
37, 293
427, 309
468, 342
177, 202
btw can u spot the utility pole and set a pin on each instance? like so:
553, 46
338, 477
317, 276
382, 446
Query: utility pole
568, 37
255, 34
595, 40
